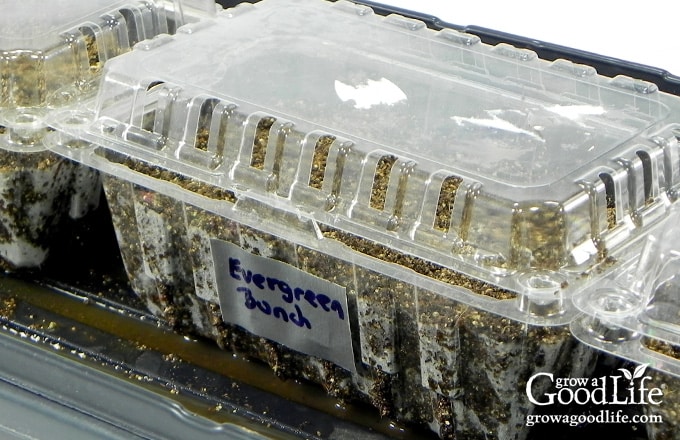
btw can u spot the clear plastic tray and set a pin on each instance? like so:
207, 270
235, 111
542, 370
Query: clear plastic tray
51, 55
458, 193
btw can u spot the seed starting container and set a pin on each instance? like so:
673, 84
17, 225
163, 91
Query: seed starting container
51, 55
634, 314
398, 214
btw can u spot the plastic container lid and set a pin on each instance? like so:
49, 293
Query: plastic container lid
51, 53
520, 172
635, 312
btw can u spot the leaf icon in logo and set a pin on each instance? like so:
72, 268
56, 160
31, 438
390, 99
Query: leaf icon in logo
640, 370
626, 373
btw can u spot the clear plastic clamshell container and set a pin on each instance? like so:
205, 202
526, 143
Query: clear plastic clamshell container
634, 314
399, 214
51, 55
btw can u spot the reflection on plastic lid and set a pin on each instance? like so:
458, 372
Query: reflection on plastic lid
576, 111
370, 93
497, 122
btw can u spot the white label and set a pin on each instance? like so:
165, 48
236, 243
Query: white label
277, 301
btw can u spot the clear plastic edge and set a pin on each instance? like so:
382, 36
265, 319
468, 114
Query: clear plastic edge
78, 395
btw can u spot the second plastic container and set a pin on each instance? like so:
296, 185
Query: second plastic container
51, 56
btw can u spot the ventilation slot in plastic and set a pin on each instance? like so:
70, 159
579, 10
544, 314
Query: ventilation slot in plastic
282, 133
204, 122
207, 138
133, 33
344, 150
92, 48
381, 180
406, 171
611, 199
447, 194
647, 175
149, 118
152, 121
153, 85
319, 161
261, 141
